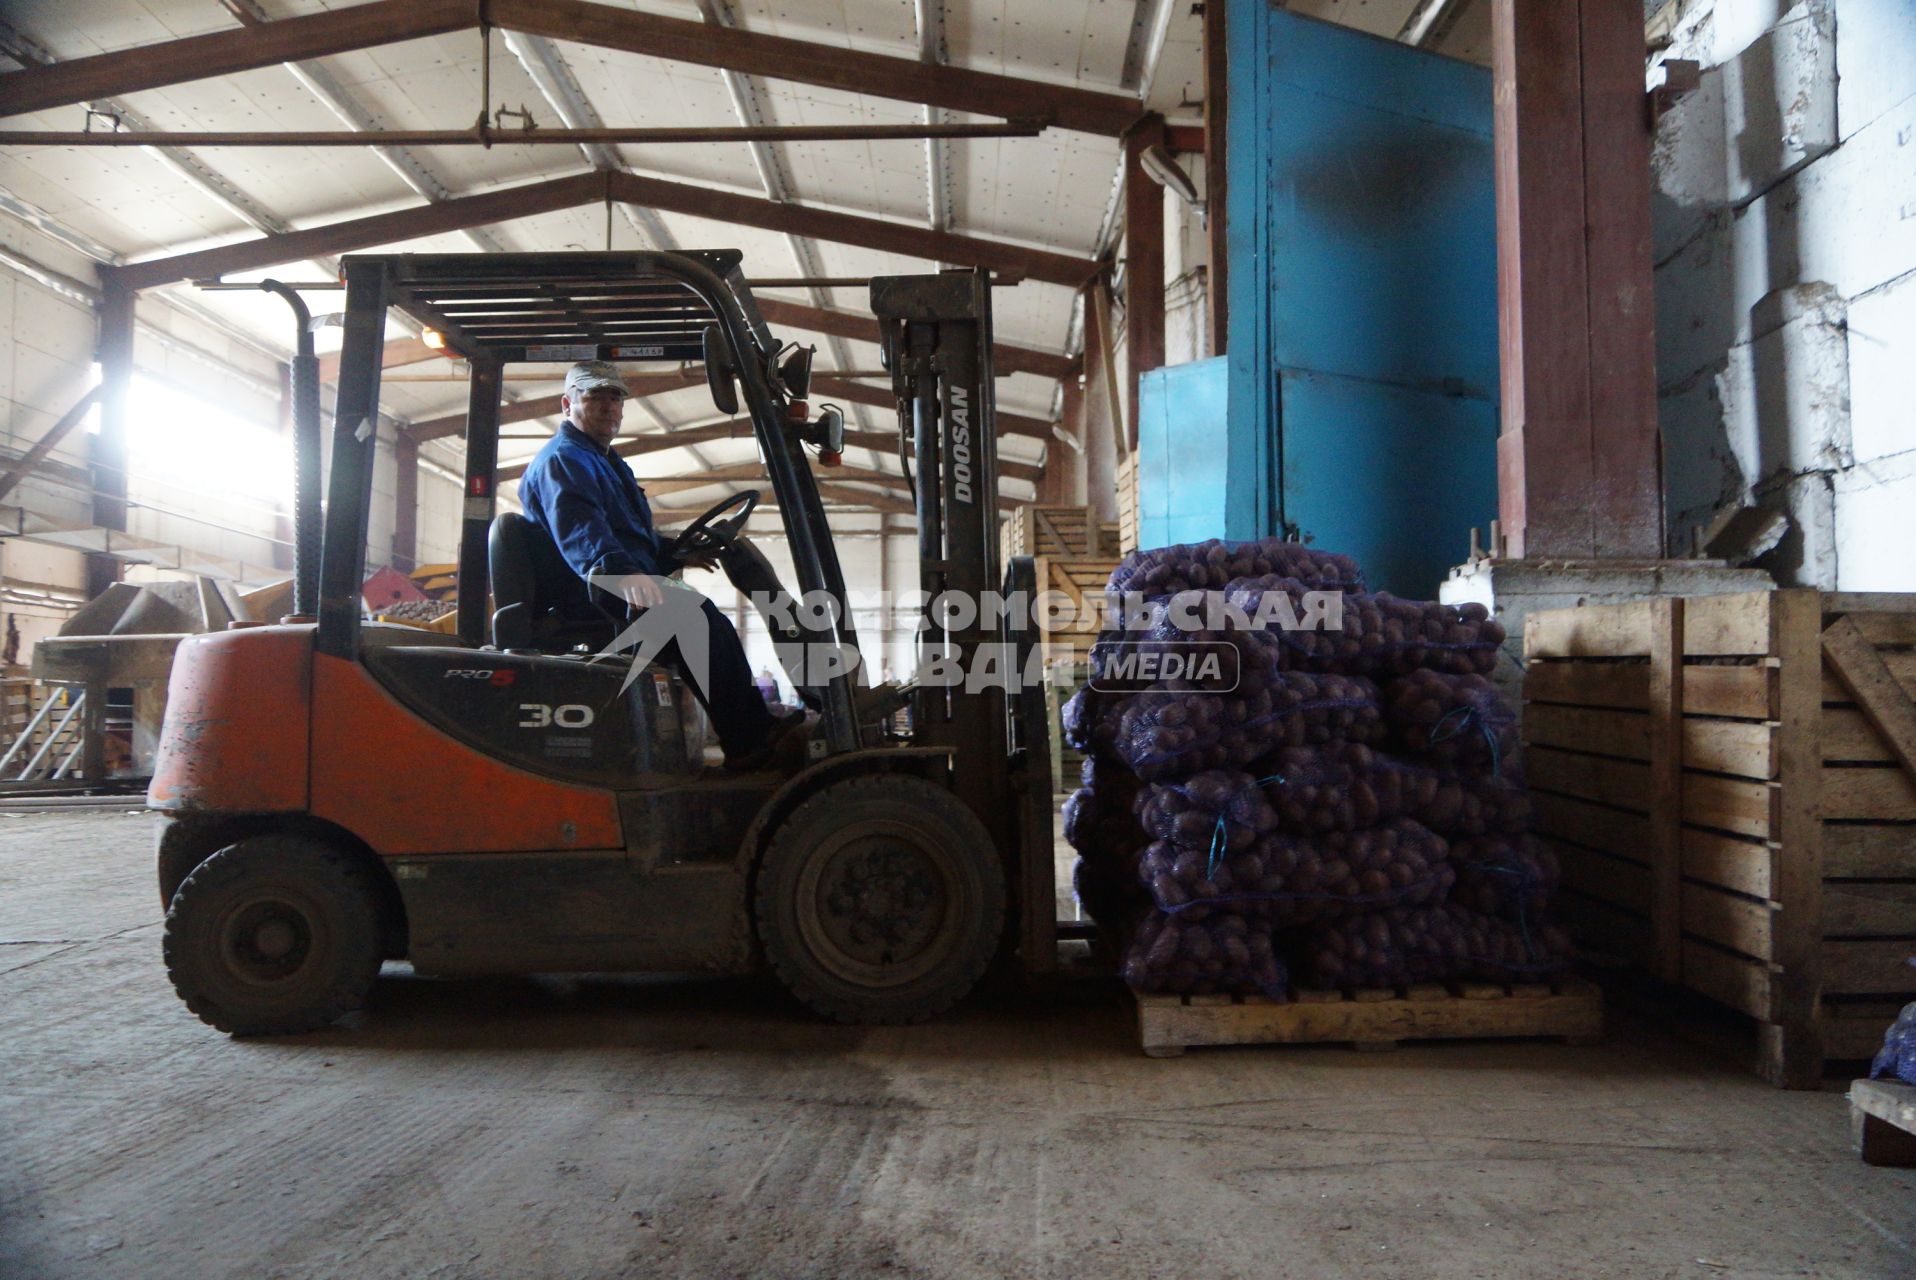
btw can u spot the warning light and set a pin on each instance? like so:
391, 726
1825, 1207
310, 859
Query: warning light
479, 486
434, 339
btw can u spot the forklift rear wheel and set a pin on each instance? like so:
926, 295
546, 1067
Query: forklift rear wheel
273, 935
880, 900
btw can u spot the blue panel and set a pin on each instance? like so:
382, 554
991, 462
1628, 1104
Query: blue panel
1182, 422
1384, 463
1362, 228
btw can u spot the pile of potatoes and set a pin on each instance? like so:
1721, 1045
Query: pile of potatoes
1343, 803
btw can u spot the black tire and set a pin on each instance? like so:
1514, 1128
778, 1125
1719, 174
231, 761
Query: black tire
880, 900
274, 935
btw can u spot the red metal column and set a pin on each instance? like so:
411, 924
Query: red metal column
1144, 266
1627, 461
1578, 471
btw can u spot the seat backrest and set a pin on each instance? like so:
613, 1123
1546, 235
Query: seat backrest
530, 581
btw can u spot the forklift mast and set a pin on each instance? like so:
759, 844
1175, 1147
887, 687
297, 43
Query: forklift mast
935, 339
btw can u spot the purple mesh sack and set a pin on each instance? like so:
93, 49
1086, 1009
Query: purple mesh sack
1454, 803
1220, 954
1896, 1060
1163, 570
1402, 945
1169, 733
1292, 880
1456, 721
1510, 877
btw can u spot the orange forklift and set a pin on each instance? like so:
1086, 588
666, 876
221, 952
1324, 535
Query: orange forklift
337, 792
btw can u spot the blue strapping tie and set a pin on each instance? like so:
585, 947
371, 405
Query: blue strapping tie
1464, 716
1217, 833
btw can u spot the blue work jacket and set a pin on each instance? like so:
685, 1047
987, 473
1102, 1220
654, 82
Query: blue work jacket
589, 503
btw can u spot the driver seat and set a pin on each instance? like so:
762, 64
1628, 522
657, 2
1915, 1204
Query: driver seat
539, 602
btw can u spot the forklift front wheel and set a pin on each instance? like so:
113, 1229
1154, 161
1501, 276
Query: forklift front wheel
274, 934
880, 900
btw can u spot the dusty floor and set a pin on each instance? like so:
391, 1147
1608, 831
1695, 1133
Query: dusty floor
619, 1127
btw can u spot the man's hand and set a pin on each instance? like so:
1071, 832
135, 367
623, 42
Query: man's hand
639, 590
700, 560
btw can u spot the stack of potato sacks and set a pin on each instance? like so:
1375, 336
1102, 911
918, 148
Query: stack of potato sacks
1346, 811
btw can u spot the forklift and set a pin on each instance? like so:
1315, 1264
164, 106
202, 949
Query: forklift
513, 799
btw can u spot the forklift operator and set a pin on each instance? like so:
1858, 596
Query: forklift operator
585, 498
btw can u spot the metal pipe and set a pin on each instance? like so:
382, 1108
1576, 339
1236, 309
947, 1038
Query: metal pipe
306, 447
486, 135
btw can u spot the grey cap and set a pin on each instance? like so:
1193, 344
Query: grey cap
591, 375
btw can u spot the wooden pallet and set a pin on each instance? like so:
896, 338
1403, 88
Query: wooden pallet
1882, 1122
1374, 1019
1729, 784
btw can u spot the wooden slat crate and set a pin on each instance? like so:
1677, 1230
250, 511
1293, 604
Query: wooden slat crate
1128, 504
1374, 1019
1068, 640
1730, 785
1055, 531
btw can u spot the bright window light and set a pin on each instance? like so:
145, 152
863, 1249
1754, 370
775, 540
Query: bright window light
193, 446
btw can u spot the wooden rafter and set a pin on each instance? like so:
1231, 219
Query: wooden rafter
1005, 358
462, 212
606, 26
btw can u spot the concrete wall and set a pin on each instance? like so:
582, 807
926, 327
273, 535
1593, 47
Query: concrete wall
1786, 283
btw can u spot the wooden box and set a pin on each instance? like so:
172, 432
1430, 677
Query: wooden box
1128, 504
1730, 785
1056, 531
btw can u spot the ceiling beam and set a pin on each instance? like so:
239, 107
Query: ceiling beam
639, 384
400, 351
455, 214
853, 229
676, 39
814, 62
1005, 358
222, 53
504, 205
825, 387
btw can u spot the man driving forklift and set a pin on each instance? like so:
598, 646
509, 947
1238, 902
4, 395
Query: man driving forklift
586, 499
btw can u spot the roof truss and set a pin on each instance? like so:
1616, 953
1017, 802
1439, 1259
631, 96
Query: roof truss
591, 188
390, 21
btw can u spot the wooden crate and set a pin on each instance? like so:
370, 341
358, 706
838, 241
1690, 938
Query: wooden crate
1728, 782
1067, 641
1882, 1122
1128, 504
1055, 531
1569, 1008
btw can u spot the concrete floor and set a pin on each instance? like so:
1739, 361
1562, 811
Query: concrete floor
626, 1127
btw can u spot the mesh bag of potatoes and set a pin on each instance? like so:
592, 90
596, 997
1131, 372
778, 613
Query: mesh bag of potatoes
1215, 954
1401, 945
1293, 880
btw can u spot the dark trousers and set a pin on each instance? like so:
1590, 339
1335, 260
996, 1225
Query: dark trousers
733, 702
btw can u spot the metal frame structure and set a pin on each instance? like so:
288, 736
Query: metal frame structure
499, 309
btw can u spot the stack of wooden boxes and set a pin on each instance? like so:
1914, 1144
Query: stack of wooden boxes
1730, 784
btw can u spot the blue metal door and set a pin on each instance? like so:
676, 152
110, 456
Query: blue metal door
1363, 296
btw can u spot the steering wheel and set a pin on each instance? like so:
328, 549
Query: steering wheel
709, 534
